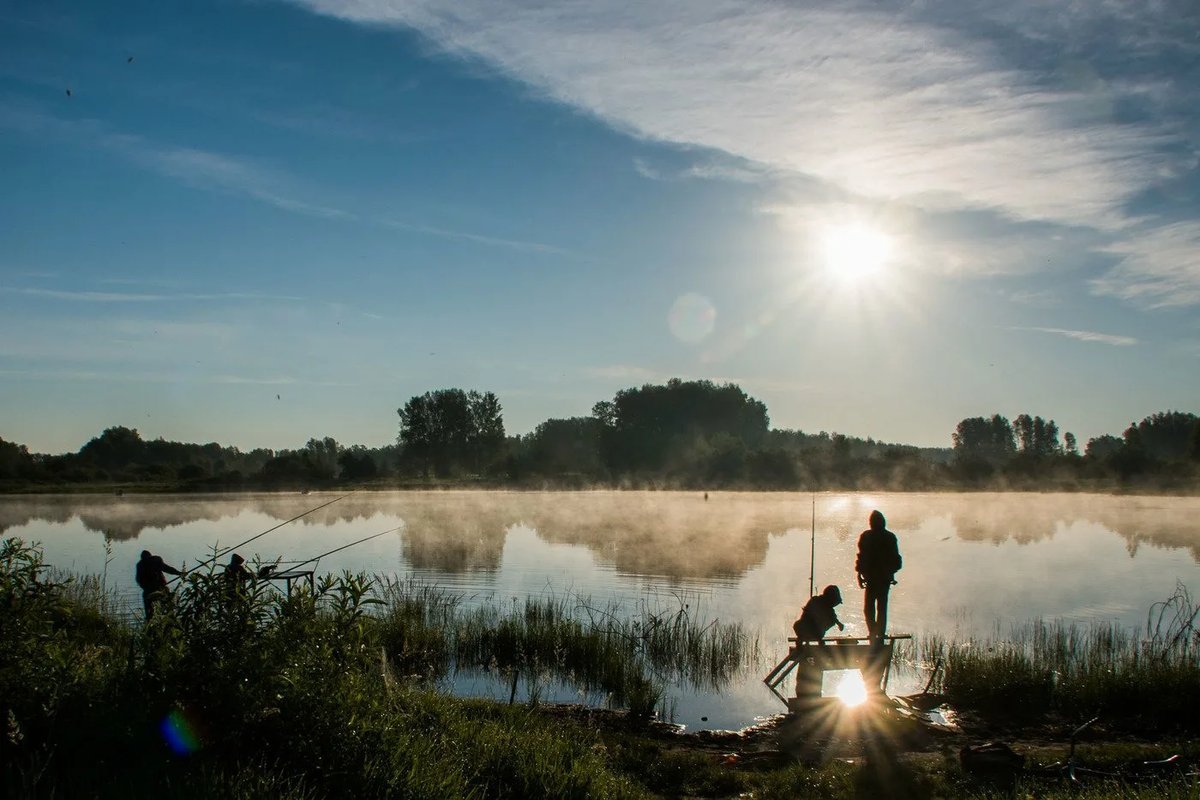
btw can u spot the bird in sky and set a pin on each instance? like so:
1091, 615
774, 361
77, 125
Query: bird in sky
68, 91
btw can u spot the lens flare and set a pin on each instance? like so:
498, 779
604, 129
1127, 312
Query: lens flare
691, 318
179, 734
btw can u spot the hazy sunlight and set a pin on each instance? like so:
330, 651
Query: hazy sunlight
853, 252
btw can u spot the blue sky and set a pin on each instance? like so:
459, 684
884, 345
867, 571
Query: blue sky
282, 219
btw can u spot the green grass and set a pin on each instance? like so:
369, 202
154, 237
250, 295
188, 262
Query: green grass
630, 658
328, 695
1133, 680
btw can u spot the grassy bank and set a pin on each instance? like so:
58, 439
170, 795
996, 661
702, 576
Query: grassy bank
1141, 681
247, 693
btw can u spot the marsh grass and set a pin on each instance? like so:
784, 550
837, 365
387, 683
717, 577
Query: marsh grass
628, 656
1136, 679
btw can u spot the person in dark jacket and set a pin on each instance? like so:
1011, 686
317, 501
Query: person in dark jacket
877, 564
818, 616
235, 572
151, 576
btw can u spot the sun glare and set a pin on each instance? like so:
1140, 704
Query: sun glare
851, 690
855, 252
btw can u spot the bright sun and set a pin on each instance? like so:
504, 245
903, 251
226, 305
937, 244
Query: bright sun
851, 690
854, 252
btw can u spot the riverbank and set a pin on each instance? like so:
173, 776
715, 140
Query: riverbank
246, 692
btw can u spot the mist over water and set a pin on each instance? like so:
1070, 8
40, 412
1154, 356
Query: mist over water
973, 563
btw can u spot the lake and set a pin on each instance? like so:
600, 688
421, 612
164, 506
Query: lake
973, 563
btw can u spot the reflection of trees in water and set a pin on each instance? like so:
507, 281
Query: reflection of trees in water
1166, 522
660, 533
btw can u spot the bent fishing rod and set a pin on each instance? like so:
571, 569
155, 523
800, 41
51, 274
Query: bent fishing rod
227, 550
295, 567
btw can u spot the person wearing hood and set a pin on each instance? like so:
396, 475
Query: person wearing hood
818, 616
235, 571
877, 564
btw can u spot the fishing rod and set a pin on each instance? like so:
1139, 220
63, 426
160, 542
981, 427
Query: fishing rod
812, 550
343, 547
227, 550
277, 527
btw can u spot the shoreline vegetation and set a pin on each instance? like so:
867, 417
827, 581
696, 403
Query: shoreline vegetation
241, 691
682, 435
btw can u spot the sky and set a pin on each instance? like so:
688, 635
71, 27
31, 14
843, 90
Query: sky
259, 221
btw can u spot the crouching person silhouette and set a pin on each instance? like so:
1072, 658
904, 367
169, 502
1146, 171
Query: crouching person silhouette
818, 616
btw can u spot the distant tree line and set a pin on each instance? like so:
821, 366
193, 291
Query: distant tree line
682, 434
1162, 450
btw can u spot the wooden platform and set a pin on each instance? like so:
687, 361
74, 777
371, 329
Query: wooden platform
811, 659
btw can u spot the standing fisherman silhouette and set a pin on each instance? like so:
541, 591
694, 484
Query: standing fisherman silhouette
151, 576
877, 564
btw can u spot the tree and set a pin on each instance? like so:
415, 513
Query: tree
450, 429
565, 446
1101, 447
321, 456
986, 441
357, 464
116, 447
645, 428
15, 461
1072, 446
1167, 436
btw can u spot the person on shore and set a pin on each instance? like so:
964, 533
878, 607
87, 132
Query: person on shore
236, 573
151, 576
877, 564
818, 616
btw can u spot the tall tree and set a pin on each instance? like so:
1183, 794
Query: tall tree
984, 440
645, 427
450, 429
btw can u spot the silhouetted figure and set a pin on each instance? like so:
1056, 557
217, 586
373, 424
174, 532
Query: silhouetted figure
68, 92
235, 571
818, 616
151, 576
877, 564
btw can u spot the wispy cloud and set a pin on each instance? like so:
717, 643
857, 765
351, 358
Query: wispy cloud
1087, 336
707, 170
940, 105
212, 171
194, 167
495, 241
1158, 267
620, 372
136, 297
885, 104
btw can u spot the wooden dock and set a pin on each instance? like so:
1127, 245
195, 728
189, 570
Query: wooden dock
811, 659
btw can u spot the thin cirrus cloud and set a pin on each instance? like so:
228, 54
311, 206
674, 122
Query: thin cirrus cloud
1088, 336
212, 171
1159, 268
925, 104
136, 297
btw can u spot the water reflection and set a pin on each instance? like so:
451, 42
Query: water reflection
973, 563
674, 534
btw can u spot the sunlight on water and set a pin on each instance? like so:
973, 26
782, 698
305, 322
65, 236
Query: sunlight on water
973, 563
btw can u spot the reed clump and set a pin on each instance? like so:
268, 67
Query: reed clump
630, 658
1137, 679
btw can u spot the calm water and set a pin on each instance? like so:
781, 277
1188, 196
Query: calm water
972, 562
